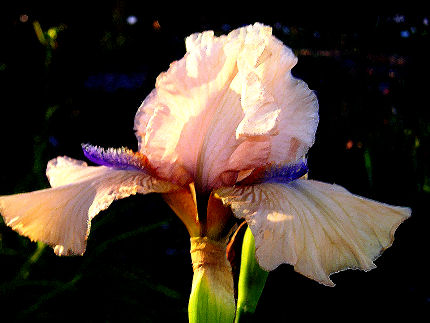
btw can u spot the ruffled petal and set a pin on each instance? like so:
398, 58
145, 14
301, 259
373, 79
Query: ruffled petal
61, 216
316, 227
226, 94
261, 110
298, 122
185, 108
297, 118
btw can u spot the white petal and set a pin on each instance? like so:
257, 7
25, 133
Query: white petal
261, 111
61, 216
223, 93
288, 108
316, 227
298, 121
192, 102
65, 170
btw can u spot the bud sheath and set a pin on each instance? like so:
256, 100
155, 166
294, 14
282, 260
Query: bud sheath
212, 294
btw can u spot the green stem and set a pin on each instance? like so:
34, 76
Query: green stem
251, 280
212, 294
25, 269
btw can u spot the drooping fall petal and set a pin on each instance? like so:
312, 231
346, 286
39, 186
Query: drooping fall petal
316, 227
228, 95
61, 216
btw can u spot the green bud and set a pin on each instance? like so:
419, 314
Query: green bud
251, 279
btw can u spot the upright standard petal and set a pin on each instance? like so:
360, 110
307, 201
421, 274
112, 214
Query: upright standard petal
61, 216
316, 227
229, 105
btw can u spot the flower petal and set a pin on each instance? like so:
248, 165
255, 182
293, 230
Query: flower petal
316, 227
226, 94
261, 110
274, 98
298, 121
181, 112
61, 216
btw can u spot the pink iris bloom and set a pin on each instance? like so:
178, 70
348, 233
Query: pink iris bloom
230, 123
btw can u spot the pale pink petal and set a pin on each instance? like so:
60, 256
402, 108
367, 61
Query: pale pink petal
143, 116
61, 216
298, 122
65, 170
316, 227
261, 117
287, 107
189, 97
225, 92
242, 159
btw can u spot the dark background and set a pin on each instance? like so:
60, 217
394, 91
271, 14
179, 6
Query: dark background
80, 79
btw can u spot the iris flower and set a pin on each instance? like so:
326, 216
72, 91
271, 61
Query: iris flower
223, 135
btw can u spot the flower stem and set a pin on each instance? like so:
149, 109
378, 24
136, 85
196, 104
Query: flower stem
212, 295
25, 269
251, 280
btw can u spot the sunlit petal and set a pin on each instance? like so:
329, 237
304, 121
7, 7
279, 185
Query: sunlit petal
185, 103
61, 216
317, 227
227, 94
297, 123
65, 170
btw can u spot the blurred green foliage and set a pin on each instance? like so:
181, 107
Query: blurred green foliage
70, 75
